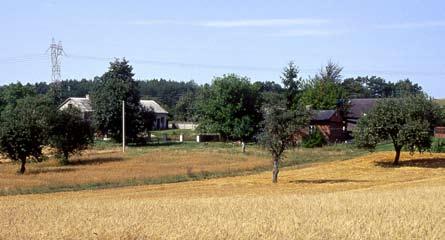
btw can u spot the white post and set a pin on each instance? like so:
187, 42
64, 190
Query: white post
181, 138
123, 126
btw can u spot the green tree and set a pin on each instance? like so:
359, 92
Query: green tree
23, 129
325, 91
10, 94
69, 133
323, 94
230, 107
110, 90
292, 85
280, 128
185, 107
406, 87
331, 73
407, 122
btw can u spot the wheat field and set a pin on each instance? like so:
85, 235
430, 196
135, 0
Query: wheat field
363, 198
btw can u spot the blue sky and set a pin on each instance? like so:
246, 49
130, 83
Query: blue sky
185, 40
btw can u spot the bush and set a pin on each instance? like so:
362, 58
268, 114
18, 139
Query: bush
438, 146
314, 139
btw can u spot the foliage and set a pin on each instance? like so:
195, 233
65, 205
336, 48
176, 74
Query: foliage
230, 107
438, 146
23, 129
314, 139
110, 90
280, 126
377, 87
331, 73
407, 122
10, 94
292, 85
325, 90
166, 92
69, 133
185, 107
322, 95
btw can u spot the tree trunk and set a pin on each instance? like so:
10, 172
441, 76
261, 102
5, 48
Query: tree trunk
65, 158
396, 159
22, 166
275, 171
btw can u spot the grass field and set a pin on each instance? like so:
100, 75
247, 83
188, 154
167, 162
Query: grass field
106, 166
363, 198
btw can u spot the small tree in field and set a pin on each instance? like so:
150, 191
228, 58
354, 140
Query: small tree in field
69, 133
280, 127
407, 122
23, 130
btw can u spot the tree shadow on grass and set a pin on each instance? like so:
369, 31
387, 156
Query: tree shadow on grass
94, 161
421, 162
321, 181
50, 170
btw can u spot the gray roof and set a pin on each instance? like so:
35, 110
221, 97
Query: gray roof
360, 106
153, 105
83, 104
322, 115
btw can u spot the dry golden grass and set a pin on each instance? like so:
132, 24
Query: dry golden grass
113, 166
362, 198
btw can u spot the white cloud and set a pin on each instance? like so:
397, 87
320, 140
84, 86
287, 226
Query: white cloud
308, 33
265, 22
238, 23
412, 25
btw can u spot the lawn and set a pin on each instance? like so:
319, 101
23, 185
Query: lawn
105, 166
363, 198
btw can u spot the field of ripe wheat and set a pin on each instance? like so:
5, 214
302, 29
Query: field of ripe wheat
363, 198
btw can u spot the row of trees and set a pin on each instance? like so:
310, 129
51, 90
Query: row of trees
180, 98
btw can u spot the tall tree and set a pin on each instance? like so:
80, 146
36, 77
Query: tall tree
325, 91
110, 90
280, 128
331, 73
292, 85
185, 107
23, 129
230, 107
407, 122
69, 133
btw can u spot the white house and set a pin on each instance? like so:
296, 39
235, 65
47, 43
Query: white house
84, 105
160, 113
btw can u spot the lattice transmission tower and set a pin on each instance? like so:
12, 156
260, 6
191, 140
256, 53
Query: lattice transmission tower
56, 60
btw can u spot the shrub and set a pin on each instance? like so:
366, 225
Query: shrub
314, 139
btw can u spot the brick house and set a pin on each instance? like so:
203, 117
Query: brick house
439, 132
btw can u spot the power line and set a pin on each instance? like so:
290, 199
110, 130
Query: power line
57, 52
